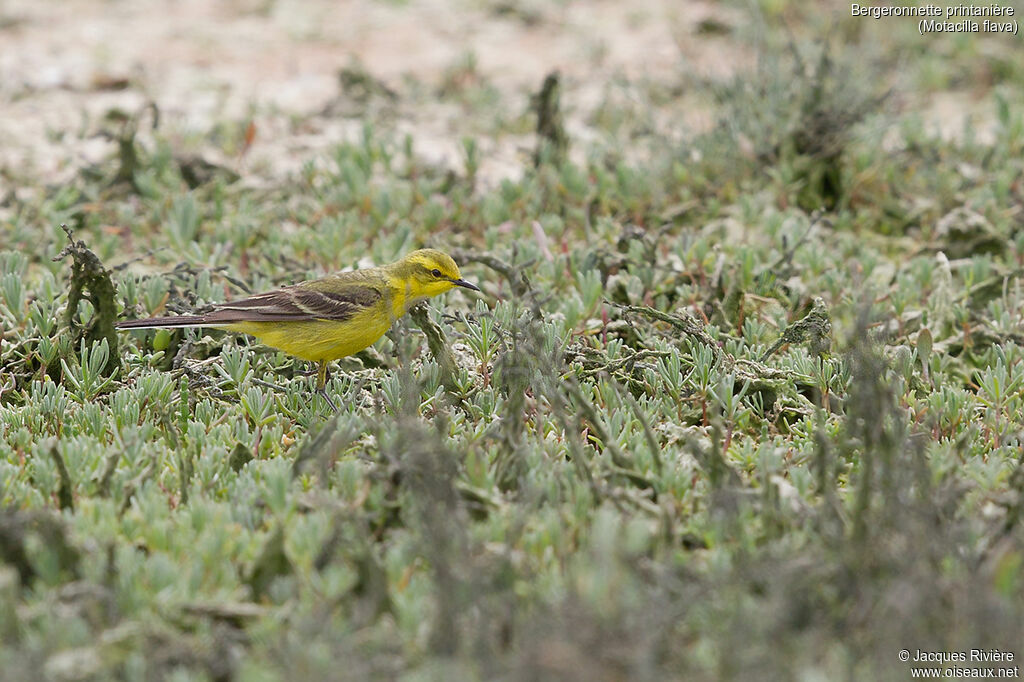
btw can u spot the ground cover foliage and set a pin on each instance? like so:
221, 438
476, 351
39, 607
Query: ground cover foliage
745, 403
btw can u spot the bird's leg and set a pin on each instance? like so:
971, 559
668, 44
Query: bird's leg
321, 383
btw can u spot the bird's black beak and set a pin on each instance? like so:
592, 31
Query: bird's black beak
464, 283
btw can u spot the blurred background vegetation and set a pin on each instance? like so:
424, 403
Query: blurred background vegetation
742, 398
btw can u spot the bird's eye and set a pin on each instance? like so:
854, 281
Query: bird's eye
435, 272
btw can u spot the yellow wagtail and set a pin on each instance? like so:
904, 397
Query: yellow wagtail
326, 319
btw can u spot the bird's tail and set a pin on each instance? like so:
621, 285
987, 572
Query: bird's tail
163, 322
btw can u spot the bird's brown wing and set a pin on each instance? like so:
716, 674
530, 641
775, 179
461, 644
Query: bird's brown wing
296, 303
308, 301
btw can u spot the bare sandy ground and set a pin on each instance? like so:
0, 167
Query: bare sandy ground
63, 65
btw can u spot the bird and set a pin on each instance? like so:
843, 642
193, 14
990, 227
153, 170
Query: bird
324, 319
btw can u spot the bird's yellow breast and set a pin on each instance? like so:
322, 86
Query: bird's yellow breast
319, 340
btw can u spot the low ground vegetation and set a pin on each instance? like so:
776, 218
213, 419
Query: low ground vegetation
745, 403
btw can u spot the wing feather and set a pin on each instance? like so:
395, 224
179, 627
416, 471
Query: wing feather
322, 299
294, 304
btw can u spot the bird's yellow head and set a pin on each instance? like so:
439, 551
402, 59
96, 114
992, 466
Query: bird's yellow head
429, 272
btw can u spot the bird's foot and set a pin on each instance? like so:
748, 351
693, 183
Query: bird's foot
323, 394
